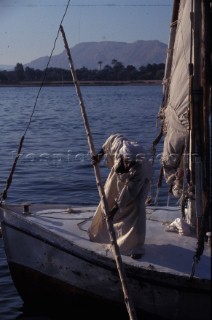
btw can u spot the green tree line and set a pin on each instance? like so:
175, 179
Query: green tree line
114, 72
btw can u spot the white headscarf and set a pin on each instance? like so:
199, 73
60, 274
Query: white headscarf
112, 147
113, 143
132, 151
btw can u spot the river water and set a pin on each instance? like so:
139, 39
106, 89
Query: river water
54, 166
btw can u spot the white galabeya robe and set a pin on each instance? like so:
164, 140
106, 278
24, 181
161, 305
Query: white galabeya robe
130, 191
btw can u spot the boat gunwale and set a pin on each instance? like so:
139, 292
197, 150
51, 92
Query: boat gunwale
181, 281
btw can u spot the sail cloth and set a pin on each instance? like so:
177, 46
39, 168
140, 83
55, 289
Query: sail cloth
129, 191
176, 105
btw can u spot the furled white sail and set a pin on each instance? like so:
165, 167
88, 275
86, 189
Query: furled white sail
175, 109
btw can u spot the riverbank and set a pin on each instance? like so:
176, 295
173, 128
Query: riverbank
83, 83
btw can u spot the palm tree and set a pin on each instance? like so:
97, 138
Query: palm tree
100, 65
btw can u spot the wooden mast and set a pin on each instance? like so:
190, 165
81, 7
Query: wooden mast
206, 81
196, 112
109, 223
200, 151
200, 140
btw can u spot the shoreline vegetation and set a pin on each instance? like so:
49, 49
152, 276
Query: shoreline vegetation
114, 75
82, 83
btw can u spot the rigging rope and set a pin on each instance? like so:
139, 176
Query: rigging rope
47, 65
3, 195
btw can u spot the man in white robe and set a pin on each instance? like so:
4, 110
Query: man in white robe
126, 190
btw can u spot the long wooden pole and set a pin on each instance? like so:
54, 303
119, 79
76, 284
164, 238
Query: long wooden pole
116, 251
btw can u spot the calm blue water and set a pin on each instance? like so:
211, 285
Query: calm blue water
54, 166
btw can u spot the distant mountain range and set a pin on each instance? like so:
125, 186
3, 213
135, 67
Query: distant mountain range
88, 54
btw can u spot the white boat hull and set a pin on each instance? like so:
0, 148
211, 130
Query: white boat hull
62, 263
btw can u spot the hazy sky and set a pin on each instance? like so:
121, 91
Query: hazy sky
28, 28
